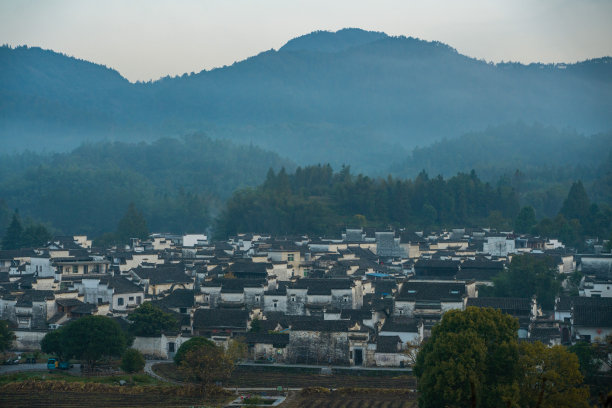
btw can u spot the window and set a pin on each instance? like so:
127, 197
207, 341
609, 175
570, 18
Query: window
290, 257
171, 347
183, 310
131, 299
75, 269
85, 269
138, 300
120, 301
99, 301
293, 298
257, 298
275, 303
345, 298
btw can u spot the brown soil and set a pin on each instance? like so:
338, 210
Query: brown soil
351, 398
254, 376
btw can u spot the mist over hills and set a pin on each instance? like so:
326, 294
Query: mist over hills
356, 97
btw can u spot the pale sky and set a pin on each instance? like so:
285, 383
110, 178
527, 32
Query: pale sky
149, 39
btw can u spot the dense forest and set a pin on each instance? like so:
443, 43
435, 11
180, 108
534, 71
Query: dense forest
194, 183
351, 97
178, 184
540, 162
316, 200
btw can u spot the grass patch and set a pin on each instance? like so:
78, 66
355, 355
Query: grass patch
135, 379
256, 376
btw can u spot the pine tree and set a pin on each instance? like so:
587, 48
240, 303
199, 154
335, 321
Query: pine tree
576, 205
132, 225
525, 220
13, 236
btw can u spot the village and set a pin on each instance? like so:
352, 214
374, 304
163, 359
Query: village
366, 298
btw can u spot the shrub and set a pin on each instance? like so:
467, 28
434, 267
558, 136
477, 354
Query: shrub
132, 361
189, 345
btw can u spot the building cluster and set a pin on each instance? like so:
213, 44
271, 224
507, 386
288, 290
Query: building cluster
366, 298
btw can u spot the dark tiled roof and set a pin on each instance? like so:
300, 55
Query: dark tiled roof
588, 316
69, 302
276, 339
434, 291
84, 309
400, 324
565, 303
544, 333
355, 314
321, 325
322, 286
508, 304
174, 273
179, 298
388, 344
217, 318
123, 285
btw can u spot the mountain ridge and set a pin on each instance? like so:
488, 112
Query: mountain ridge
358, 98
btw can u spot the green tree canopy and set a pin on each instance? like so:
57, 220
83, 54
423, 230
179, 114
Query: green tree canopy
132, 361
53, 343
90, 338
191, 344
206, 364
34, 235
149, 320
132, 225
550, 378
469, 360
525, 220
6, 336
12, 236
576, 205
529, 275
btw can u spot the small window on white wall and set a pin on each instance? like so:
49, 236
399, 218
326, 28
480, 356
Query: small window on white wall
120, 301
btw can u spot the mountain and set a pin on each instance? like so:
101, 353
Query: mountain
353, 96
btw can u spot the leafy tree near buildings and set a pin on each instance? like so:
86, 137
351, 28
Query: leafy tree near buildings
16, 236
53, 343
6, 336
473, 359
529, 275
587, 360
206, 364
255, 326
236, 349
35, 235
550, 378
469, 360
149, 320
90, 339
132, 361
191, 344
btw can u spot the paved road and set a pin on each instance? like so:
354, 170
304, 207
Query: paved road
19, 368
148, 369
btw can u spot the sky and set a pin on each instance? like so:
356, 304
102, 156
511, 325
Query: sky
150, 39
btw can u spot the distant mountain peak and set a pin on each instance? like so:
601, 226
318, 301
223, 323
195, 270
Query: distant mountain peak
329, 41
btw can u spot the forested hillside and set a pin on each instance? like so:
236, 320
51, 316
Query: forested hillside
315, 200
178, 184
539, 162
354, 97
